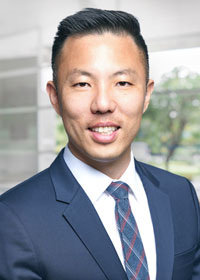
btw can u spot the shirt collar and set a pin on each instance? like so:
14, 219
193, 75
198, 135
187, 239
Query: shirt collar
95, 182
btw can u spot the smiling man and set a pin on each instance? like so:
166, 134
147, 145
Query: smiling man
96, 212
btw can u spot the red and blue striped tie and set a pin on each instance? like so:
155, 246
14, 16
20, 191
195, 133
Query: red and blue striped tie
133, 250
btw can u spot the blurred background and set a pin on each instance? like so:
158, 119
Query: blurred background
30, 132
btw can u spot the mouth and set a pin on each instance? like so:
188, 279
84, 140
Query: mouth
104, 132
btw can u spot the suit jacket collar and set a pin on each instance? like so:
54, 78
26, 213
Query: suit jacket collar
86, 223
65, 184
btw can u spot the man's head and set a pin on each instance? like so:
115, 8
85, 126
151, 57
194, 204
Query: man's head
101, 88
96, 21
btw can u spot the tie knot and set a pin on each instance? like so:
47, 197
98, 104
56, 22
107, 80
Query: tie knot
118, 190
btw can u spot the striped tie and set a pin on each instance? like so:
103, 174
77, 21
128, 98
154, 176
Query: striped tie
133, 250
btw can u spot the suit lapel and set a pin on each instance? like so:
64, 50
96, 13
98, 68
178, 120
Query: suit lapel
160, 209
83, 218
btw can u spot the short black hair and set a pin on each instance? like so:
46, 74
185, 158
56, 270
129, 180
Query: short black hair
97, 21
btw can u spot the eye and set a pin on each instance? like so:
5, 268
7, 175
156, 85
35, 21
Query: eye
124, 84
81, 85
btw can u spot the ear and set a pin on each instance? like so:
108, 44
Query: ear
150, 87
53, 96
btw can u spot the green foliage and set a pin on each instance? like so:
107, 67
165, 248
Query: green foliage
173, 115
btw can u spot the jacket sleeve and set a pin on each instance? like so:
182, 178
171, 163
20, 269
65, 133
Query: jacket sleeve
17, 256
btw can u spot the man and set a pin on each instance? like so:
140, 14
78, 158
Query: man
61, 224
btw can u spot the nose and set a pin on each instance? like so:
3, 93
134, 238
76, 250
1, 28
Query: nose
103, 102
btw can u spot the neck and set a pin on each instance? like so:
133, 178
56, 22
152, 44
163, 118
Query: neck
113, 168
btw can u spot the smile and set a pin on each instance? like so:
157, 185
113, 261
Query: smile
104, 130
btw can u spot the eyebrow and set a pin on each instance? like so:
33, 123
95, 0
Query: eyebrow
82, 72
128, 71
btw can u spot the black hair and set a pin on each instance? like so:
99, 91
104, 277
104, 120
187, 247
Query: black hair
97, 21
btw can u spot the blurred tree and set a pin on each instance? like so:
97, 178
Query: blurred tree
174, 110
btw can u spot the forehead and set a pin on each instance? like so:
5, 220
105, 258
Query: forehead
100, 51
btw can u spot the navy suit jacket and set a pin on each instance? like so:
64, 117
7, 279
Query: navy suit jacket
50, 230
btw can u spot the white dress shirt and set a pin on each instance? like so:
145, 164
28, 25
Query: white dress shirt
95, 184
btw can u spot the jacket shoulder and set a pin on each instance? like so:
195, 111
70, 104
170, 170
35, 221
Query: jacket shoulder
162, 174
177, 187
27, 189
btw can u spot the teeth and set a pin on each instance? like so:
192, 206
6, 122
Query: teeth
104, 130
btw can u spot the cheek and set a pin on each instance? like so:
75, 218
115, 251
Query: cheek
74, 107
133, 107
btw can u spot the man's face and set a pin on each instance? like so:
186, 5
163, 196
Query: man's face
102, 94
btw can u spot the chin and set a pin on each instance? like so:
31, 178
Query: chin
106, 156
